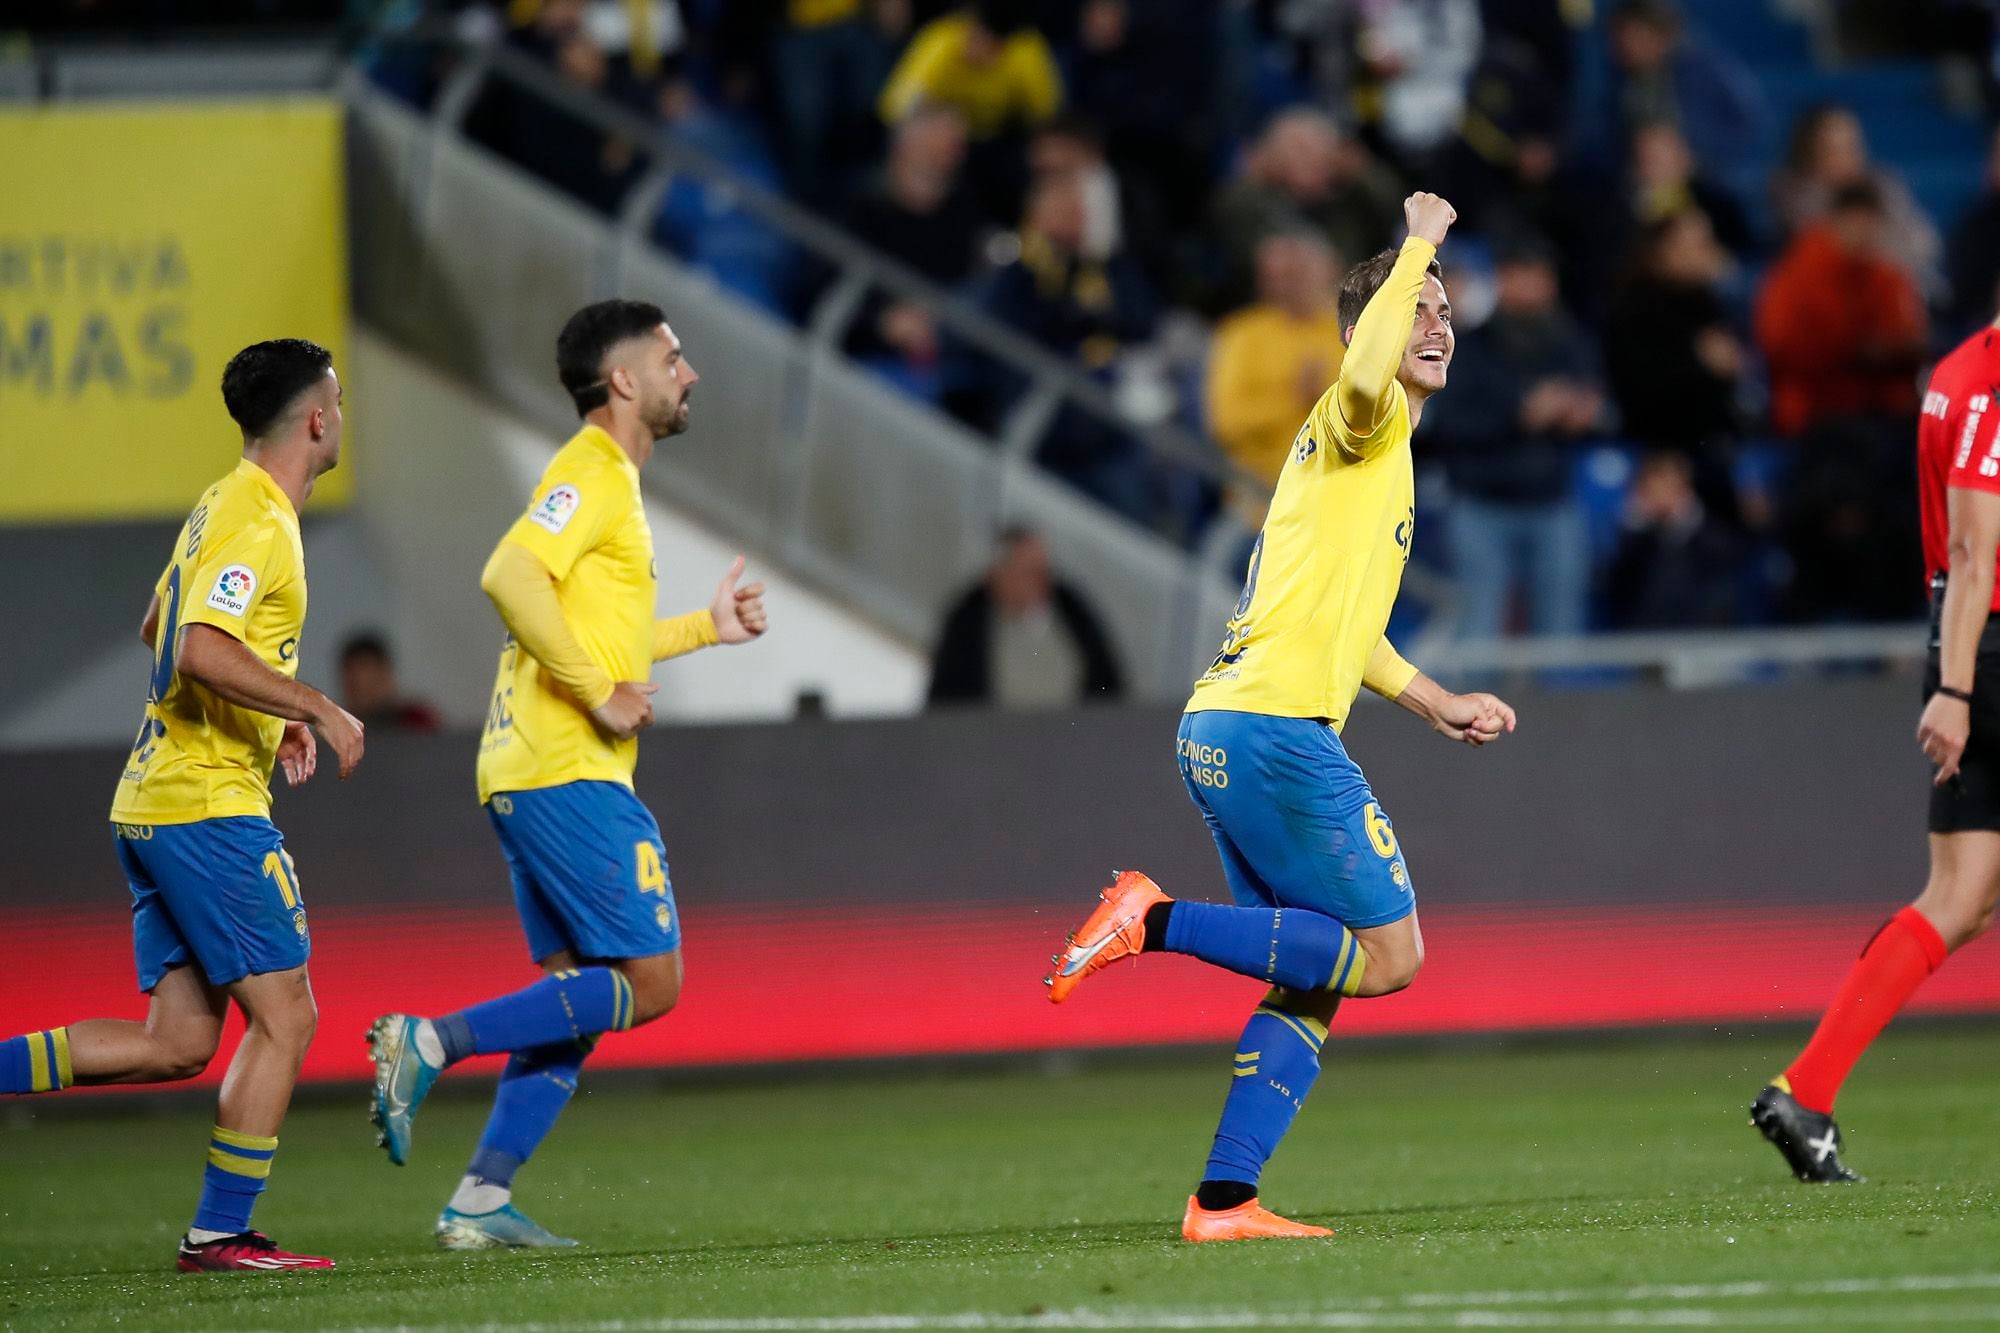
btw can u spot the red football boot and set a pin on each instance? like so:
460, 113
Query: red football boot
250, 1252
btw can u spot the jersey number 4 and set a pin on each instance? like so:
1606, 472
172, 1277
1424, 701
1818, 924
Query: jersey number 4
652, 875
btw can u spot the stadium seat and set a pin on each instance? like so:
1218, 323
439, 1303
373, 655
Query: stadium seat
1751, 27
1601, 475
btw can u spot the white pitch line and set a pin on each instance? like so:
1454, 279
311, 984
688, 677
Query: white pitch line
1702, 1291
1616, 1317
1489, 1309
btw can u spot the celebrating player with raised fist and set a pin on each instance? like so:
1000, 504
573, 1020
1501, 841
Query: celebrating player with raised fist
1324, 908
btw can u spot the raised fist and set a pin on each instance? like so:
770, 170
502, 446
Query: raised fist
1428, 216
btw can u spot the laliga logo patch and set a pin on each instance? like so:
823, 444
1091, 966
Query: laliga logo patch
557, 508
233, 587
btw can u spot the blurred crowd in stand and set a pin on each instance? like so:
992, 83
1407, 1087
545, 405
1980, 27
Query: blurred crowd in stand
1699, 271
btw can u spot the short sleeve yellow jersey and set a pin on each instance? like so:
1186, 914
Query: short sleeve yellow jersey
239, 566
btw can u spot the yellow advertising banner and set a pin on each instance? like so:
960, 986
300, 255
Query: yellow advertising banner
141, 246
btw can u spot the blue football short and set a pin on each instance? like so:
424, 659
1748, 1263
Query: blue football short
1293, 818
590, 871
219, 893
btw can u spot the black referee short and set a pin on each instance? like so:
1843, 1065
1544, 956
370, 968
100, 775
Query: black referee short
1971, 801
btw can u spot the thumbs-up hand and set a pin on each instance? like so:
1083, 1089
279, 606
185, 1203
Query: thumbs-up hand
739, 612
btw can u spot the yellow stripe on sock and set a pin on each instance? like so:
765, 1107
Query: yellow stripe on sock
238, 1140
38, 1062
1347, 947
1352, 986
1241, 1056
1246, 1071
624, 1005
256, 1168
1298, 1025
64, 1074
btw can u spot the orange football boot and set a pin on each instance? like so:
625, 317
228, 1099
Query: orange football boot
1115, 930
1246, 1221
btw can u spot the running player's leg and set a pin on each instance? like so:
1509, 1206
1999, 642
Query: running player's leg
231, 896
1277, 1062
280, 1019
1310, 856
1275, 1066
549, 1023
176, 1040
1292, 799
1340, 914
534, 1088
590, 881
183, 1023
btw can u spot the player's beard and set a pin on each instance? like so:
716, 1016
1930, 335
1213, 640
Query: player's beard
672, 422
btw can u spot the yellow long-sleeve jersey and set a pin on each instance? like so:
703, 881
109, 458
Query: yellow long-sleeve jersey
1308, 631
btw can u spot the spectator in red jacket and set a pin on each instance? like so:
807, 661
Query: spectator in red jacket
1840, 322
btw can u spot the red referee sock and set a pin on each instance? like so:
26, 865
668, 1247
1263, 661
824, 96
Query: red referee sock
1905, 951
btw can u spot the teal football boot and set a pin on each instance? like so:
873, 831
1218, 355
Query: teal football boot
403, 1078
506, 1227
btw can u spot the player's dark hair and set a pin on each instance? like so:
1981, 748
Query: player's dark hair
1358, 288
264, 379
365, 644
588, 338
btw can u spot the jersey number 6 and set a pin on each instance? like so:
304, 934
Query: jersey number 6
1379, 831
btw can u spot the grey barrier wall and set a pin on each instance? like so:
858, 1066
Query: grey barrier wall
1802, 794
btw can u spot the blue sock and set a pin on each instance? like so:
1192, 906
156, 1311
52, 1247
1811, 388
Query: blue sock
534, 1088
37, 1062
1276, 1063
1285, 946
561, 1007
239, 1165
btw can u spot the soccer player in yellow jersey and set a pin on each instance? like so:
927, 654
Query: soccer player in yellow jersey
216, 910
1324, 908
574, 581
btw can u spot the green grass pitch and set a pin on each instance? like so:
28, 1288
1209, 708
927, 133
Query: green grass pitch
1537, 1186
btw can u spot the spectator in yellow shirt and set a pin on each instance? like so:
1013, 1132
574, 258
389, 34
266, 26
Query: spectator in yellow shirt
1271, 361
984, 61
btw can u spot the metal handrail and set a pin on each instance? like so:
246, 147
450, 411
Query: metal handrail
827, 242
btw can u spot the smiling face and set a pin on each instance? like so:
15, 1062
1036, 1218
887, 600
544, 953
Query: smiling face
1427, 359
